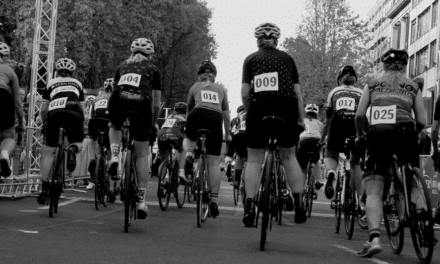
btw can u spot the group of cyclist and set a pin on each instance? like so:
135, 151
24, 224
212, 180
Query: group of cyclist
270, 87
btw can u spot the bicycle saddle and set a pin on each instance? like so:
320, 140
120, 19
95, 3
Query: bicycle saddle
203, 131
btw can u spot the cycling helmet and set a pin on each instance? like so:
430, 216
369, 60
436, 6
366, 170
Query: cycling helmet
4, 49
142, 45
207, 65
180, 106
240, 108
65, 64
108, 82
344, 70
311, 108
395, 56
267, 29
90, 98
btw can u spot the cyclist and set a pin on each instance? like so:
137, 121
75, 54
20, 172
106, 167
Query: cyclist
392, 98
308, 142
99, 121
282, 97
63, 103
10, 107
172, 132
341, 105
238, 143
207, 109
137, 89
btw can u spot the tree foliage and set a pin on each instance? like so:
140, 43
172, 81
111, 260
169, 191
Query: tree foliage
97, 35
329, 37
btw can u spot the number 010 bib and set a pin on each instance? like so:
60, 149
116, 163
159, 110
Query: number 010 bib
383, 115
58, 103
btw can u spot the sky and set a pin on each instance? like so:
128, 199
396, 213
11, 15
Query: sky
233, 23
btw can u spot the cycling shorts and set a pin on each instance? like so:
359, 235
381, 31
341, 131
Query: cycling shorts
7, 108
166, 139
339, 130
238, 145
202, 118
140, 126
306, 146
72, 119
257, 133
97, 125
383, 141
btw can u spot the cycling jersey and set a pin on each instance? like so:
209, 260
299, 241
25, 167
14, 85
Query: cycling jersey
172, 132
63, 93
344, 101
238, 124
8, 78
99, 108
270, 72
313, 129
209, 96
392, 102
137, 80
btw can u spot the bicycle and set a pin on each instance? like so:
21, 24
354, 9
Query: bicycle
269, 190
100, 174
400, 212
238, 186
345, 197
309, 188
201, 179
169, 182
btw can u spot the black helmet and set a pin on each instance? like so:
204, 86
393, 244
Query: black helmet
344, 70
207, 65
395, 56
180, 107
240, 108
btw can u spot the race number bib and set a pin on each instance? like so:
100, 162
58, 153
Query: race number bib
58, 103
266, 82
169, 123
132, 79
383, 115
101, 104
346, 103
242, 125
210, 97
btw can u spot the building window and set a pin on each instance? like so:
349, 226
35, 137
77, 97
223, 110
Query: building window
422, 61
429, 103
397, 35
413, 31
434, 14
411, 67
416, 2
423, 25
432, 52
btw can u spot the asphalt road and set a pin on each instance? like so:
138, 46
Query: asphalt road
80, 234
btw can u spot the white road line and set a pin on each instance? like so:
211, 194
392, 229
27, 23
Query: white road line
27, 231
374, 260
28, 211
70, 201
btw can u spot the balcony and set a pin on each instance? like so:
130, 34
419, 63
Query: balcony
398, 5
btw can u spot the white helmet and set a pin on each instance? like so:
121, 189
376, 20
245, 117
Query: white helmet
4, 49
267, 29
108, 82
90, 98
143, 45
311, 108
65, 64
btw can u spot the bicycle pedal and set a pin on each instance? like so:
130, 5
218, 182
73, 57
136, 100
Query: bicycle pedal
333, 204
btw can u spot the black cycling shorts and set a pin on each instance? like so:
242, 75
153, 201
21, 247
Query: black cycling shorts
97, 125
339, 130
257, 133
118, 109
71, 119
306, 146
7, 108
202, 118
238, 145
383, 141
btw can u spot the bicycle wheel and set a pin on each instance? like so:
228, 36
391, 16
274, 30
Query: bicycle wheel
308, 193
205, 192
281, 185
52, 198
337, 203
198, 181
266, 201
392, 212
349, 210
422, 221
128, 191
164, 185
235, 190
97, 186
103, 182
178, 185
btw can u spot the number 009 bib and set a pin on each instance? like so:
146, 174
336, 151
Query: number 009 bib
266, 82
383, 115
58, 103
210, 97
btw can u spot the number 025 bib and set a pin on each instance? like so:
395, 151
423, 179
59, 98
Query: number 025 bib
383, 115
58, 103
266, 82
210, 97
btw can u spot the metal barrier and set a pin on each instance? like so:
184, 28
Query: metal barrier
431, 179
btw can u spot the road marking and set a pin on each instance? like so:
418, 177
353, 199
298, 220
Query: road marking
27, 231
29, 211
374, 260
70, 201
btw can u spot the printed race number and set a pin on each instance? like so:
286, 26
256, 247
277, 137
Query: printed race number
242, 125
132, 79
58, 103
169, 123
383, 115
346, 103
101, 104
210, 97
266, 82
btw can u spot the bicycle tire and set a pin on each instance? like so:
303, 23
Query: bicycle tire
235, 190
198, 191
266, 201
103, 181
422, 222
349, 210
178, 185
52, 195
164, 185
360, 214
205, 192
392, 217
97, 185
308, 194
128, 191
338, 204
281, 184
